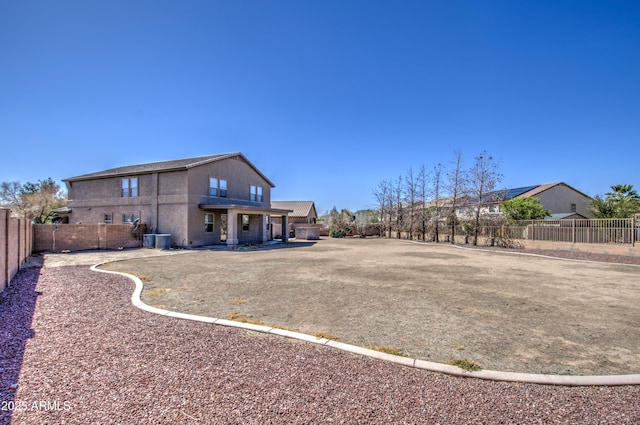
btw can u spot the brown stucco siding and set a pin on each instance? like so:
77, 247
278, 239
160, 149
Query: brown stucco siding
559, 199
168, 201
238, 174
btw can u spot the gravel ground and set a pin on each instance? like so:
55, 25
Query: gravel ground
81, 353
570, 255
433, 302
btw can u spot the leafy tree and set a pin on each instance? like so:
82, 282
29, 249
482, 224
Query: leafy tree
530, 208
339, 222
622, 202
363, 219
32, 200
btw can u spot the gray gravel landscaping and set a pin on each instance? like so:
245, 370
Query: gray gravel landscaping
82, 354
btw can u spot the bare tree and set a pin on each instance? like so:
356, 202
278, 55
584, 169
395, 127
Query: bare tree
422, 183
384, 197
483, 179
455, 184
436, 188
397, 204
410, 196
11, 197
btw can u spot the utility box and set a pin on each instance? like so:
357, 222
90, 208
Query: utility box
149, 241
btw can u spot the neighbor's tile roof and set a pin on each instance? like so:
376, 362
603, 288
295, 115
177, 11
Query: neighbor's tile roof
300, 208
153, 167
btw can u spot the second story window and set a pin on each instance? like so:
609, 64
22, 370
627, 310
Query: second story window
256, 193
217, 187
130, 187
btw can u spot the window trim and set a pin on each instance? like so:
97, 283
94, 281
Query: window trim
219, 189
255, 193
129, 187
208, 224
245, 226
134, 216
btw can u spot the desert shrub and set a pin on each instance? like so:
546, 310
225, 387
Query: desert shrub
337, 233
468, 365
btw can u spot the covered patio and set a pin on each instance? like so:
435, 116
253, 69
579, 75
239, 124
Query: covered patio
247, 223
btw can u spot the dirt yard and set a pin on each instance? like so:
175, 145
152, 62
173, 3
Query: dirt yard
505, 311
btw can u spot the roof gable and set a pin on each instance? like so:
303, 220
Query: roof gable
300, 208
544, 187
518, 192
164, 166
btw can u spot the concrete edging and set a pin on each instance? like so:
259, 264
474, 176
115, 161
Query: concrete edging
492, 375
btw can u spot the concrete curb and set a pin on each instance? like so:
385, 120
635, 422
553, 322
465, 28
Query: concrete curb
492, 375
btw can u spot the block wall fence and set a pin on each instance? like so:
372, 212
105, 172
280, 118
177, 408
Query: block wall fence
16, 245
79, 237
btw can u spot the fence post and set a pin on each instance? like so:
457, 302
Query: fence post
7, 274
533, 231
573, 230
633, 231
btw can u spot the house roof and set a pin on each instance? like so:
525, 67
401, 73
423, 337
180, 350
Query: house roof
523, 192
300, 208
163, 166
564, 216
536, 190
512, 193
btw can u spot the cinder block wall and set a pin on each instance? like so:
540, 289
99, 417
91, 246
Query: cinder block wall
80, 237
16, 244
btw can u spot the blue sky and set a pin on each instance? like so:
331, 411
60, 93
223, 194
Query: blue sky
327, 98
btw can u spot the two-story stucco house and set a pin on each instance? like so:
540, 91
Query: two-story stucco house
199, 201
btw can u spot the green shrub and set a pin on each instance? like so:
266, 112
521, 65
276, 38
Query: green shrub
468, 365
336, 233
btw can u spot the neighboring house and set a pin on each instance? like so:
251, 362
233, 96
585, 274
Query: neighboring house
559, 198
199, 201
303, 213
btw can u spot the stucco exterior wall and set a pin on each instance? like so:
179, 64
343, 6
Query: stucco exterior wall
559, 199
239, 176
255, 231
168, 201
91, 200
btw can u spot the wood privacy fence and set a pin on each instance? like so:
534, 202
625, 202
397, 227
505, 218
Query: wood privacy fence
16, 243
